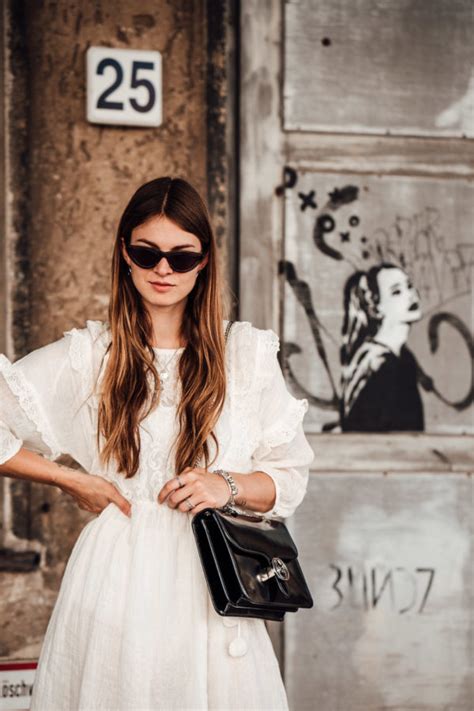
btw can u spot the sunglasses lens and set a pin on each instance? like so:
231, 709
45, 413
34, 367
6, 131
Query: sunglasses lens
143, 257
183, 261
179, 261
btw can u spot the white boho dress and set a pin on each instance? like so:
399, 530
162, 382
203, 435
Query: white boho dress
133, 627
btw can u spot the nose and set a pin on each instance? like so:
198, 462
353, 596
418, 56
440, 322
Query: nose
163, 266
415, 294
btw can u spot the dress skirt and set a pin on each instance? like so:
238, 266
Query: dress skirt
134, 628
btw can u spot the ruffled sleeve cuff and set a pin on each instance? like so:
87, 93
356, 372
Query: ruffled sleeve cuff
9, 444
22, 416
288, 466
42, 393
283, 451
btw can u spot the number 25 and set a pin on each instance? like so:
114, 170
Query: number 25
103, 103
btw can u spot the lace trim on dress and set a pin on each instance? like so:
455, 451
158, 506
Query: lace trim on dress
270, 345
29, 403
81, 355
284, 430
80, 348
271, 342
9, 445
241, 352
170, 389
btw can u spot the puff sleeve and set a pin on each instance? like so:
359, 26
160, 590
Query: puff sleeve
41, 398
283, 451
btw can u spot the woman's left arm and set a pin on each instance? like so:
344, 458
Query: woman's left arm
282, 458
280, 461
280, 484
256, 491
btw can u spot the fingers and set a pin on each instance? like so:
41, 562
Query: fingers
94, 493
196, 494
200, 507
86, 505
205, 492
123, 504
206, 503
187, 476
179, 494
194, 490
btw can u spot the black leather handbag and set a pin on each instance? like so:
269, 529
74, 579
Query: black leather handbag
250, 563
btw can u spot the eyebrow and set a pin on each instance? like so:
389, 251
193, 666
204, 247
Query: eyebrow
173, 249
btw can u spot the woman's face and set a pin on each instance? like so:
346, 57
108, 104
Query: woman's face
164, 234
399, 300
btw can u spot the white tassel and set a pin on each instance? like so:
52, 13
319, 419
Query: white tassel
238, 647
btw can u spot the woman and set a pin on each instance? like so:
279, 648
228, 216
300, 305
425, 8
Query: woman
150, 403
379, 373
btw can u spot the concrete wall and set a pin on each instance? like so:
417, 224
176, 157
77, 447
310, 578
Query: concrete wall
325, 92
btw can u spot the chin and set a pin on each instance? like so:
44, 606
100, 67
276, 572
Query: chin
414, 316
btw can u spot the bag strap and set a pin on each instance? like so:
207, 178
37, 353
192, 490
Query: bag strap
227, 330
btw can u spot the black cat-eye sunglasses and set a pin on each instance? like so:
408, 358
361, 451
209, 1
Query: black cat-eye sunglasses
148, 257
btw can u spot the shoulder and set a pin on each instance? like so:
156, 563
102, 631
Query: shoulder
262, 339
63, 350
70, 356
408, 357
93, 332
371, 356
87, 341
252, 353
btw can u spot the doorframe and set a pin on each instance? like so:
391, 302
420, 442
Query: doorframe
261, 206
222, 155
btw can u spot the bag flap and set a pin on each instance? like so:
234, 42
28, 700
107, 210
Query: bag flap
265, 538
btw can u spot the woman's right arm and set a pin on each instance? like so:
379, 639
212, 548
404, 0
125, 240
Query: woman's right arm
91, 493
42, 419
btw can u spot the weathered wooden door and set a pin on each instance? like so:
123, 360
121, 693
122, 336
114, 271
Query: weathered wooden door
356, 246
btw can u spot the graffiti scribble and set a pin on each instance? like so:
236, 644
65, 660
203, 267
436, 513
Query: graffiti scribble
290, 178
380, 375
307, 200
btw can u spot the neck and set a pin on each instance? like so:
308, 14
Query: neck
393, 335
166, 321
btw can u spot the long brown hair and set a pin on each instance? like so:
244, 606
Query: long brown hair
130, 373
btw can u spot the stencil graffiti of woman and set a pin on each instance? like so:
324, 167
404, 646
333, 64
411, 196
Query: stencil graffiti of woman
379, 372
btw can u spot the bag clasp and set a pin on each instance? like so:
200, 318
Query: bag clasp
278, 568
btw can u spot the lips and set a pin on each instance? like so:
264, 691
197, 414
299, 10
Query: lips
161, 283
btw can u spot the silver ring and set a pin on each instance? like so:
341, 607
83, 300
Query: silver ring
179, 481
190, 505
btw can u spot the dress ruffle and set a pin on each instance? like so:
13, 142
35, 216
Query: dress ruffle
284, 430
9, 445
282, 450
281, 428
30, 404
82, 349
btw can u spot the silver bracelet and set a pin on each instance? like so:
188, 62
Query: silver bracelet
231, 484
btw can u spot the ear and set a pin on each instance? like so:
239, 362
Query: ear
204, 262
124, 251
